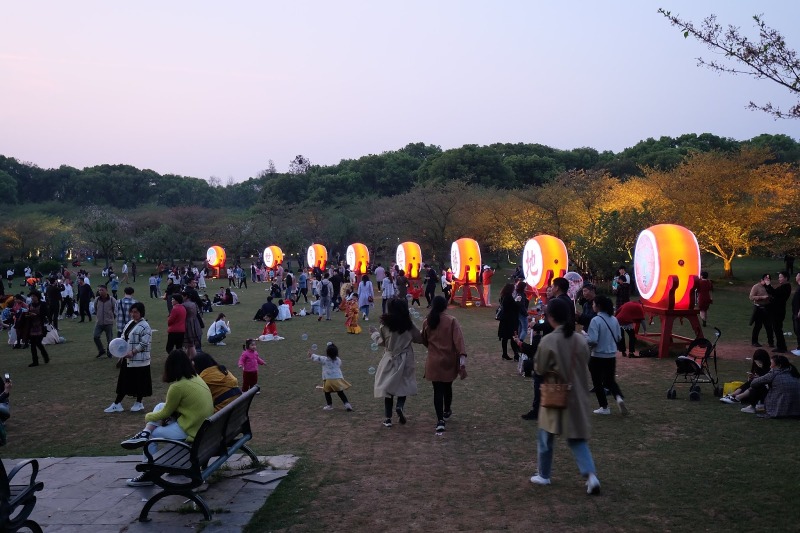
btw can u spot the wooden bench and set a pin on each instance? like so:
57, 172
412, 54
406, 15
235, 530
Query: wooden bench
221, 435
13, 496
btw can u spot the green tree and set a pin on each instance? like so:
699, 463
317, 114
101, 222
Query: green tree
105, 230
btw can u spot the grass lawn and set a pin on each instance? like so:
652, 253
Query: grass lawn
671, 465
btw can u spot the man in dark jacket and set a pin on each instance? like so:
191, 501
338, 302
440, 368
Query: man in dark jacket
777, 309
53, 298
84, 295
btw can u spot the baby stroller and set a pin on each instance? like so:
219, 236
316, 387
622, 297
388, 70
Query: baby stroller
695, 367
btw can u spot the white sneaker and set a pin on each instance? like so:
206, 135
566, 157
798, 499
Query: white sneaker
114, 408
592, 485
221, 344
602, 411
536, 479
621, 404
327, 408
796, 352
137, 406
348, 407
749, 409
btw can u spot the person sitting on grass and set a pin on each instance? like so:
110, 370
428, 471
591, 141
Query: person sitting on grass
783, 398
746, 393
188, 404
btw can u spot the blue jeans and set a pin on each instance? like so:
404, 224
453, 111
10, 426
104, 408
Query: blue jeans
171, 431
365, 309
579, 447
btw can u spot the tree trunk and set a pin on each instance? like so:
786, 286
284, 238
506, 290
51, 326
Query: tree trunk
726, 265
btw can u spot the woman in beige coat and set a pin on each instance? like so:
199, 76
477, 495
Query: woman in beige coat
447, 356
396, 374
568, 354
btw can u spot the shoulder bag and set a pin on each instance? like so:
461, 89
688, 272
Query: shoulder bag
555, 388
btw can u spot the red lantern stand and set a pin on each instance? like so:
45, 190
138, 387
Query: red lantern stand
465, 297
667, 315
213, 272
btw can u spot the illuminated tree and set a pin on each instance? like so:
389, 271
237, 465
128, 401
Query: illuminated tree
767, 58
728, 201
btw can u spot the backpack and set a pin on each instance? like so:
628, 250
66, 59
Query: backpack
323, 291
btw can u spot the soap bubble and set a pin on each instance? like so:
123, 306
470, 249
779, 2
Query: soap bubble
374, 346
314, 347
371, 370
304, 336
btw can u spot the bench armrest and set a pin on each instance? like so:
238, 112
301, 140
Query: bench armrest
34, 470
149, 455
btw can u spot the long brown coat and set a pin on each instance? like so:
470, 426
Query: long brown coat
445, 344
396, 374
555, 353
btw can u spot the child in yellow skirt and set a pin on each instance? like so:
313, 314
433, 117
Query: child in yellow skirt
351, 313
332, 378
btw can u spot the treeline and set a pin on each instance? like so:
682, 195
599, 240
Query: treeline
500, 166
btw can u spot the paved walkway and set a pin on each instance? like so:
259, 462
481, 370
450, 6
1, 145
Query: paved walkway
89, 494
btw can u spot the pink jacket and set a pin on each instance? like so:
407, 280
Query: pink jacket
249, 361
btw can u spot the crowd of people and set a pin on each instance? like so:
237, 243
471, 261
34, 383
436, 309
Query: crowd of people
571, 339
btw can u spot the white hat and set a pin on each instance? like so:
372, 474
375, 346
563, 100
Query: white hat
486, 267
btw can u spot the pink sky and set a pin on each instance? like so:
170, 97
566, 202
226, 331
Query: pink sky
207, 89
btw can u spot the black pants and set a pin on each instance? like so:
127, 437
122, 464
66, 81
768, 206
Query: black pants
442, 397
341, 394
174, 340
68, 305
777, 329
415, 300
446, 293
513, 347
53, 314
537, 393
83, 310
387, 404
603, 371
153, 291
631, 338
761, 317
36, 342
430, 292
242, 281
304, 294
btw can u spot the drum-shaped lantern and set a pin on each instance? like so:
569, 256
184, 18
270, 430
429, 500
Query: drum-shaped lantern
662, 251
357, 258
317, 256
465, 260
273, 256
215, 257
409, 259
543, 253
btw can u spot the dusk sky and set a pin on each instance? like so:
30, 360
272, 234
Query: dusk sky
202, 89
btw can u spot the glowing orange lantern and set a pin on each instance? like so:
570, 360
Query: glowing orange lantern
215, 257
543, 254
465, 260
409, 259
317, 256
662, 251
273, 256
357, 258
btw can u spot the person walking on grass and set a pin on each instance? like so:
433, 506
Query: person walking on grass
604, 335
447, 357
332, 377
566, 353
105, 307
396, 374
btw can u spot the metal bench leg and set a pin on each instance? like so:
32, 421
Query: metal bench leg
253, 457
191, 495
33, 526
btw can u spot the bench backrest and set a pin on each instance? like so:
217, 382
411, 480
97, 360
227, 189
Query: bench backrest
222, 428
